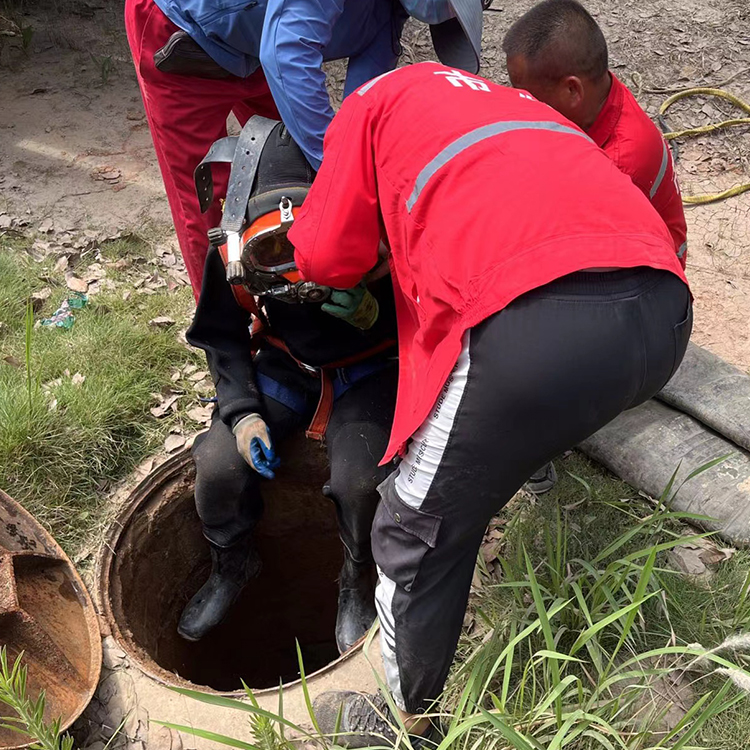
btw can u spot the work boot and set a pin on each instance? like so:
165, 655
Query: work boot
356, 603
543, 480
231, 568
361, 720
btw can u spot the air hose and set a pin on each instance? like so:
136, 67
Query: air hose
702, 130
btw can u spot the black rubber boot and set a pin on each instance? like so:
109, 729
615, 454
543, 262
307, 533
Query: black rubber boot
231, 568
361, 720
356, 603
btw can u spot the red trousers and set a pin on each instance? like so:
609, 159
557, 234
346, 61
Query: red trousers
186, 115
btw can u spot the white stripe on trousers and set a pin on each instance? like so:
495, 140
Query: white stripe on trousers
416, 473
418, 468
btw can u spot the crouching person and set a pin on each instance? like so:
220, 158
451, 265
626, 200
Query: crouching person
538, 296
338, 355
557, 52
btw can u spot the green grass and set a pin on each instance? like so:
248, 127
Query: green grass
60, 462
586, 596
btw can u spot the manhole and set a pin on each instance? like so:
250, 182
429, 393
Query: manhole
157, 559
46, 614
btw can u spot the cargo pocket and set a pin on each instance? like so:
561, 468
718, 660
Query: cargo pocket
681, 335
401, 536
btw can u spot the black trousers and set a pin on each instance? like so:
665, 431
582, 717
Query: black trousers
228, 492
532, 381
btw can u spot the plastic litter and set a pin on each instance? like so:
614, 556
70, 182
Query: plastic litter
63, 316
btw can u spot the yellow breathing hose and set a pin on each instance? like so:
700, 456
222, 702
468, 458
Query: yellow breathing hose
737, 102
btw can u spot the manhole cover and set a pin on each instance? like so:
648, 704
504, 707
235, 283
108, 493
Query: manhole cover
46, 613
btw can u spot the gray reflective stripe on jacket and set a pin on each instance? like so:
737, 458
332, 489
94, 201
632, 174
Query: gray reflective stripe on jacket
681, 249
362, 90
477, 136
662, 169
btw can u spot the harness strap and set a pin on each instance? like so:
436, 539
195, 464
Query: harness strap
319, 424
244, 166
221, 152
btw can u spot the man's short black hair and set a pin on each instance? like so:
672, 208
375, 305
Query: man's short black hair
559, 38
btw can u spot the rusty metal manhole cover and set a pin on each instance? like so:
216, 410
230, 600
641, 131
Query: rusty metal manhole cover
46, 613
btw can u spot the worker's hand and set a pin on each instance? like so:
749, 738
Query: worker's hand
356, 306
255, 446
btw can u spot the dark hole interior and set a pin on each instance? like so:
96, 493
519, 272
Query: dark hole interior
162, 559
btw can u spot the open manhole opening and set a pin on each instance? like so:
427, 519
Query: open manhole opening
160, 559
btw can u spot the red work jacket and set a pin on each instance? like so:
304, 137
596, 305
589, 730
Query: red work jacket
482, 193
634, 143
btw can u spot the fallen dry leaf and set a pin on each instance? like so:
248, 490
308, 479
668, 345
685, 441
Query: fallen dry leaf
39, 298
39, 250
163, 321
94, 272
204, 386
163, 408
12, 361
174, 443
146, 466
199, 375
699, 557
75, 283
77, 379
201, 414
490, 551
46, 226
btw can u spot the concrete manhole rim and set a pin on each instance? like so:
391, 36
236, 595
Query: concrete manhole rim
157, 478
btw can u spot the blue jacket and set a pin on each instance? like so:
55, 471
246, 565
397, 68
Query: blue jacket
290, 39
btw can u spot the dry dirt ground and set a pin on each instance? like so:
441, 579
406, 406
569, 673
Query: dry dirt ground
75, 147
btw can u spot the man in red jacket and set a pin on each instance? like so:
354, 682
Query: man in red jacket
538, 295
557, 52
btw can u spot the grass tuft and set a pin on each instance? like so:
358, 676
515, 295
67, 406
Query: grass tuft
63, 443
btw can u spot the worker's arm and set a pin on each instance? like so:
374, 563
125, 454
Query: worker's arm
220, 328
647, 160
381, 54
337, 233
667, 200
291, 53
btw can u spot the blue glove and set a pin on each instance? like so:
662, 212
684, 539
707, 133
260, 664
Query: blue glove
255, 446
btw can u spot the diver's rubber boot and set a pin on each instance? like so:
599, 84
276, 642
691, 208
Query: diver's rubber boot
356, 603
231, 568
